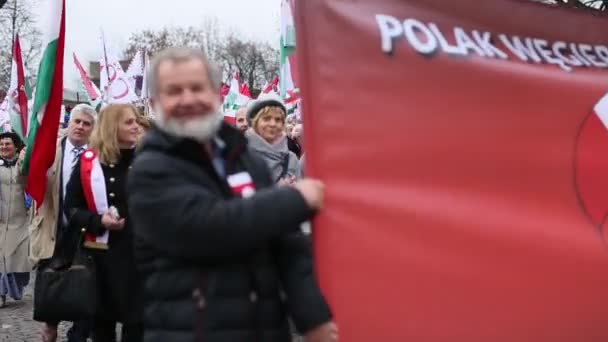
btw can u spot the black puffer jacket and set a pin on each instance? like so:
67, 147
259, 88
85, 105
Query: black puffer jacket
219, 268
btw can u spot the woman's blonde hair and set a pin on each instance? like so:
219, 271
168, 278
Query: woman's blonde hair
144, 121
264, 111
104, 138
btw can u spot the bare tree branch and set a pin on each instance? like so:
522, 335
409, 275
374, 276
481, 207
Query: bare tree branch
600, 5
29, 35
256, 62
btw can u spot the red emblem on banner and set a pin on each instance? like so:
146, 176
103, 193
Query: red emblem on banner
591, 165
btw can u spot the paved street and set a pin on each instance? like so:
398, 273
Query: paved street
16, 323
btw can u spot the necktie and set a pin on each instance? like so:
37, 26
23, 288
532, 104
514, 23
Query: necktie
76, 152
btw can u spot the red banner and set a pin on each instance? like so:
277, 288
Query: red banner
464, 145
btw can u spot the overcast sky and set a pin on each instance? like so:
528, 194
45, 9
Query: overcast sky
256, 19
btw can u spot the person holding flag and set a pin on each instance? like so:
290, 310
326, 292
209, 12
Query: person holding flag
51, 242
15, 267
19, 93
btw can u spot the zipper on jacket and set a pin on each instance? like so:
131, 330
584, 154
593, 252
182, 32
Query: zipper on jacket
8, 200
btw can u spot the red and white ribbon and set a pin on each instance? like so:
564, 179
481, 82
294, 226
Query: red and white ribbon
94, 188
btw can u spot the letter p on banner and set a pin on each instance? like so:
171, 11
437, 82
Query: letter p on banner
466, 195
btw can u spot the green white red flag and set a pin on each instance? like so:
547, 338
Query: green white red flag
46, 111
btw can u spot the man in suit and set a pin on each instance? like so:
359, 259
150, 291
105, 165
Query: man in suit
49, 237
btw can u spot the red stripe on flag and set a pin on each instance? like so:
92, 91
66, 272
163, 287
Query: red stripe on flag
225, 90
43, 153
271, 86
86, 81
245, 90
291, 100
21, 95
293, 97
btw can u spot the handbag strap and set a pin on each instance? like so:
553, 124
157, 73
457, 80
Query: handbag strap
80, 256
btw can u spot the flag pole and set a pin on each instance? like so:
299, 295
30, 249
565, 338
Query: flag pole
14, 28
105, 56
145, 95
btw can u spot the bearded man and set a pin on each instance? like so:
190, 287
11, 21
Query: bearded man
218, 245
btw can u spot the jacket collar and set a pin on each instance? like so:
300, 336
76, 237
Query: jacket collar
229, 140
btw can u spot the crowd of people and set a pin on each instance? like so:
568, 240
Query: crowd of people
192, 227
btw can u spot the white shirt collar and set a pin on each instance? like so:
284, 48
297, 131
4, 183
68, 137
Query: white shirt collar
69, 147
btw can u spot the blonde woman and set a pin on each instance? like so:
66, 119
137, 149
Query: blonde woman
96, 202
267, 137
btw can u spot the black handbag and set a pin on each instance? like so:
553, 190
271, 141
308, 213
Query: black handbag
66, 292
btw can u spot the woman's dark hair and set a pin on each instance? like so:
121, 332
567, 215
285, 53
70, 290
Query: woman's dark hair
15, 138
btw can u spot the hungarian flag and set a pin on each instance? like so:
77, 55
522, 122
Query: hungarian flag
224, 91
18, 94
245, 90
86, 98
233, 92
46, 112
230, 117
234, 100
292, 96
90, 87
268, 87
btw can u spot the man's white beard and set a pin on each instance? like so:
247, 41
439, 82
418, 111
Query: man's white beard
201, 129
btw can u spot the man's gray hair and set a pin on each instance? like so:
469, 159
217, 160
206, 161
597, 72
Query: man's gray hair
178, 55
84, 109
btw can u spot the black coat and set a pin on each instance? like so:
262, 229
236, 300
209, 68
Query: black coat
218, 268
119, 284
